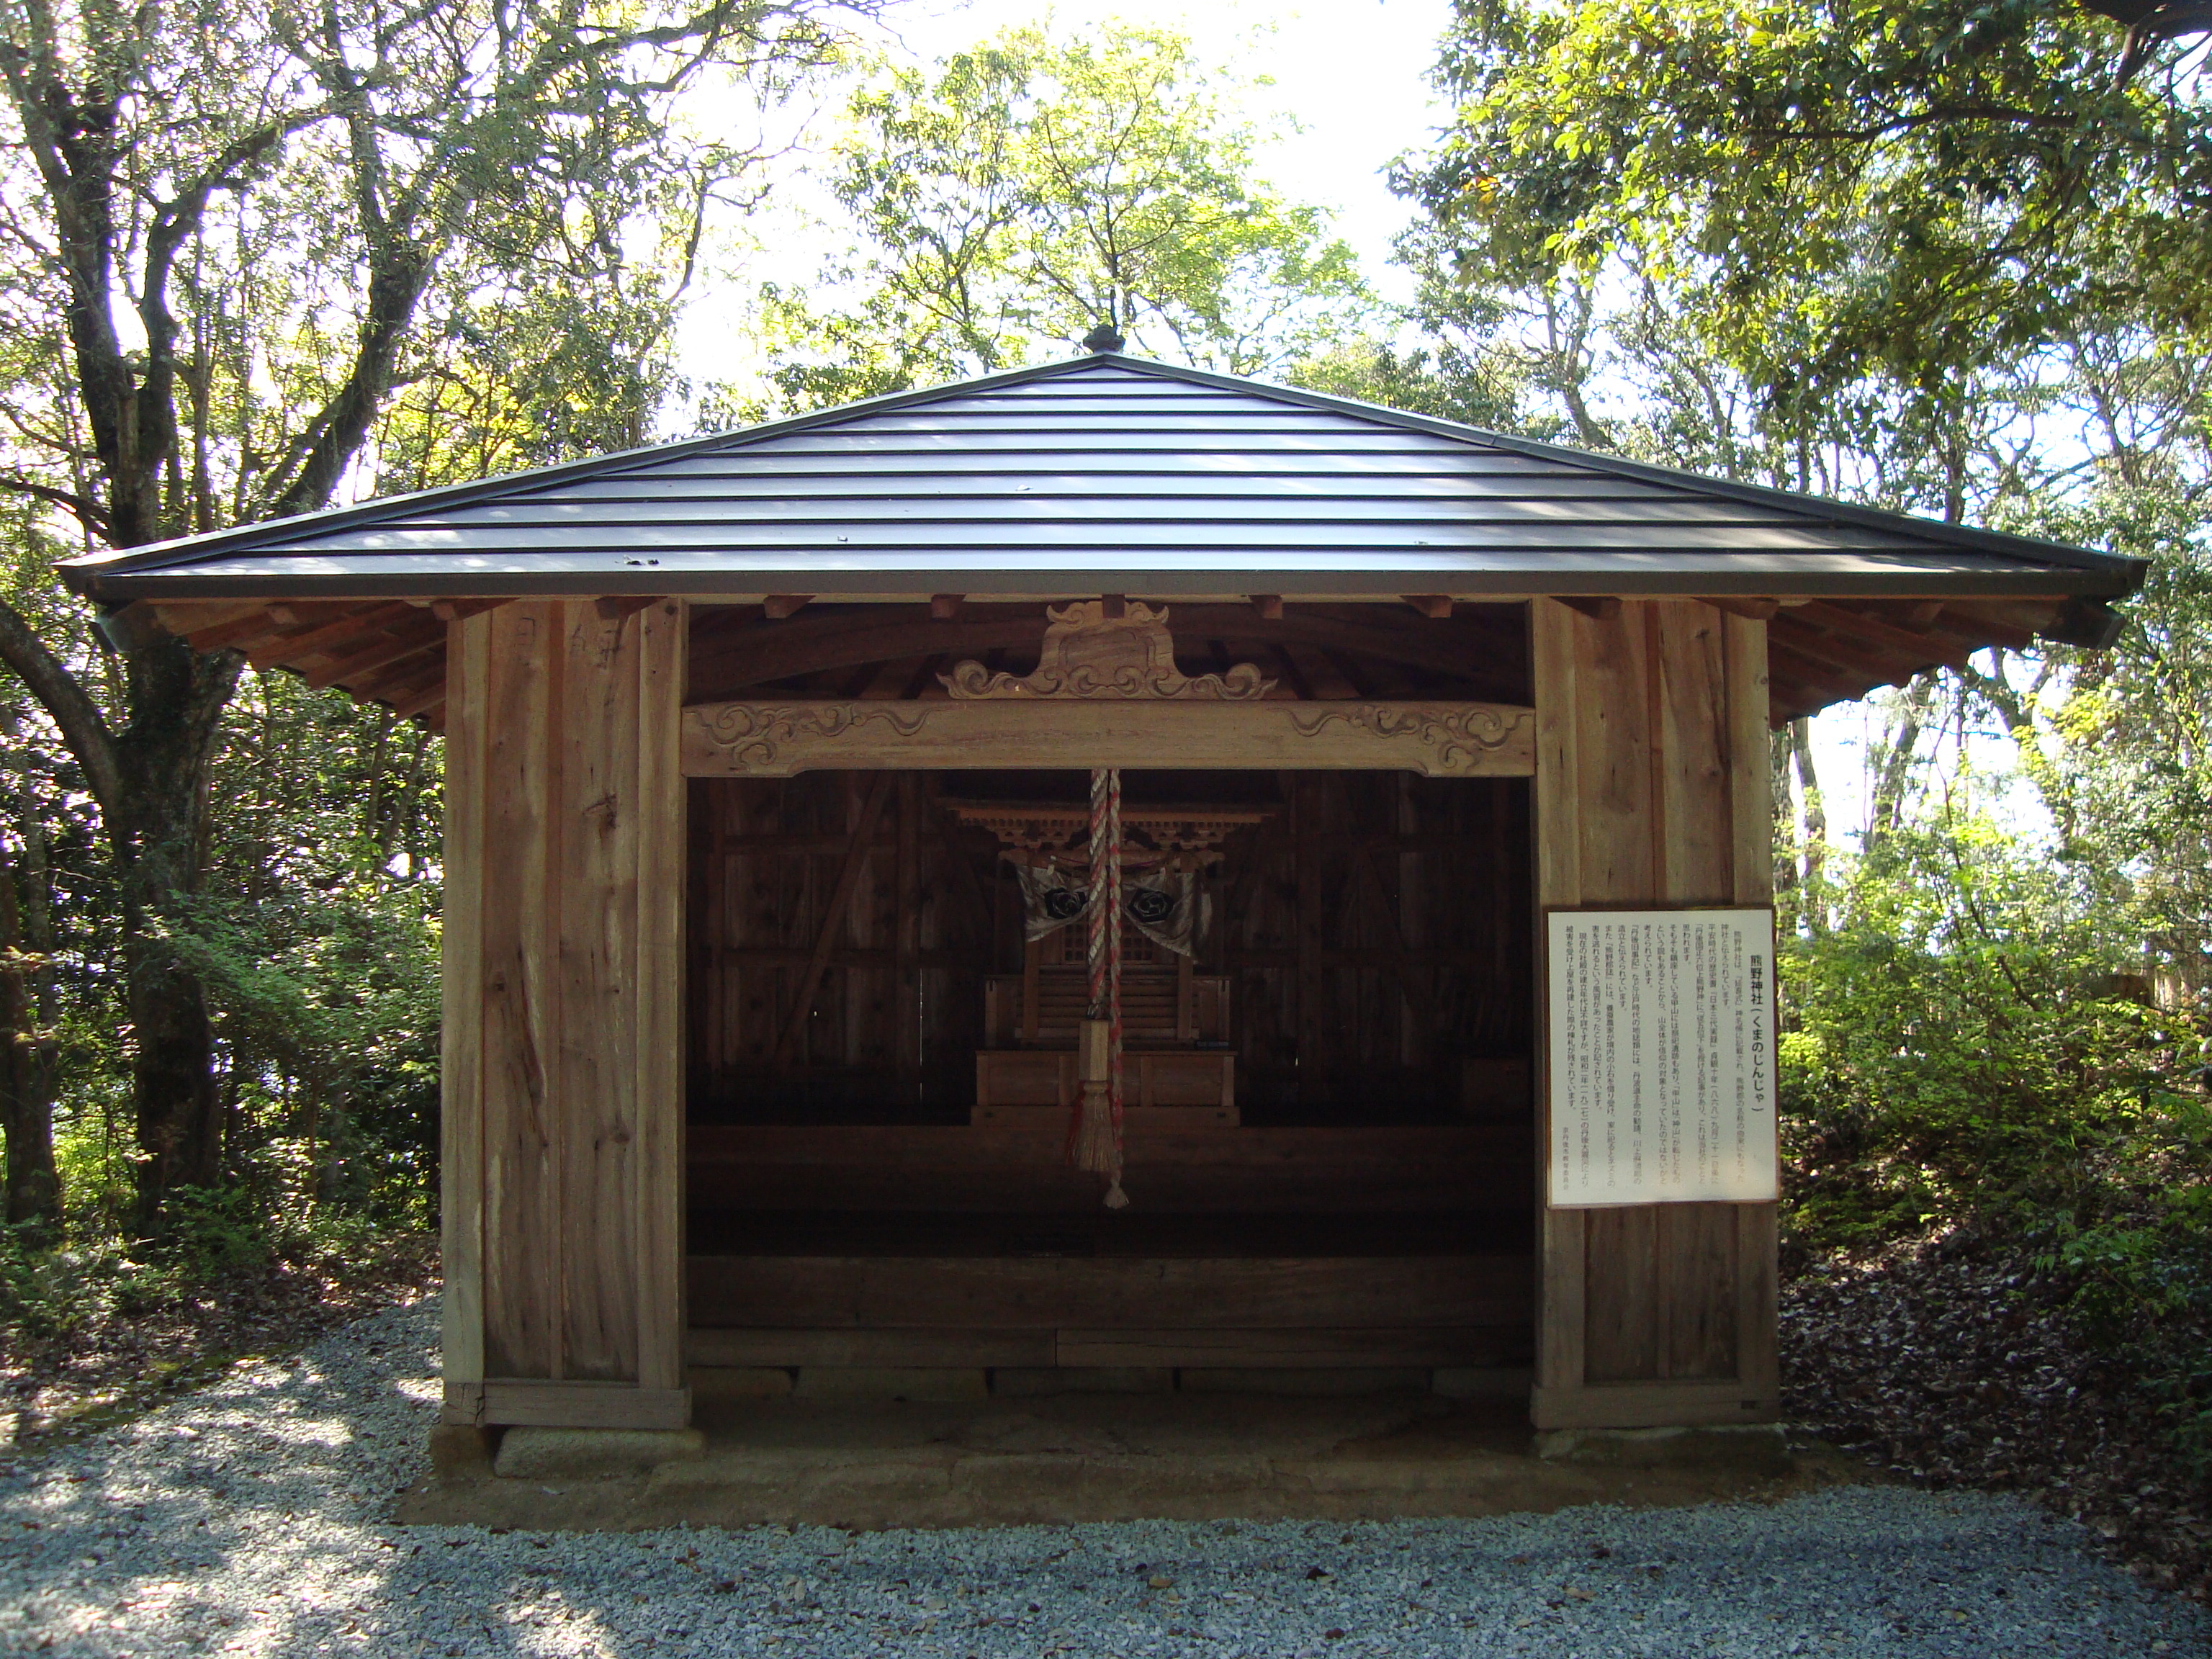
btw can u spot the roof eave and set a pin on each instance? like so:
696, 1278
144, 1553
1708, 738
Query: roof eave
167, 569
1074, 581
85, 573
2002, 543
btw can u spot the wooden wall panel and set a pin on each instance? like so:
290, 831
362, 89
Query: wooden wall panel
1652, 780
461, 1151
860, 886
563, 992
597, 810
999, 1293
521, 1217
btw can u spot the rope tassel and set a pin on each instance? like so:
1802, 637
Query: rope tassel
1095, 1137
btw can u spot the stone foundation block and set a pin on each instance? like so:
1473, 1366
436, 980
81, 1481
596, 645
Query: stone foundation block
529, 1454
458, 1451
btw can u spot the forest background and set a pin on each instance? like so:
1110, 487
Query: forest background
1945, 259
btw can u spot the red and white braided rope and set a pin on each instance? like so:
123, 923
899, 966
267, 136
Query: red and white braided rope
1104, 939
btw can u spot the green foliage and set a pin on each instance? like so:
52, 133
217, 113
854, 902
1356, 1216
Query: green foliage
1008, 199
1948, 1050
1836, 189
1971, 1048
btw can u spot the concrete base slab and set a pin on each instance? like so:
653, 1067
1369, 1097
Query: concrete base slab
1068, 1458
527, 1453
1762, 1448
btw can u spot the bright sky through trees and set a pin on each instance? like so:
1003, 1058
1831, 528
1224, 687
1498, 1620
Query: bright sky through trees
1353, 73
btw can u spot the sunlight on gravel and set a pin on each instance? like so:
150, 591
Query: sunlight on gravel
249, 1519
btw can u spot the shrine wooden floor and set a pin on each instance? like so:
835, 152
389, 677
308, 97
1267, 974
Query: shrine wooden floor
949, 1246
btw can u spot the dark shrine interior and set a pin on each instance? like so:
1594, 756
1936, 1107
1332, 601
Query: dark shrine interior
1342, 1073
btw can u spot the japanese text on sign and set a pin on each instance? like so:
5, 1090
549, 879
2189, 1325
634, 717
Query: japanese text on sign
1662, 1057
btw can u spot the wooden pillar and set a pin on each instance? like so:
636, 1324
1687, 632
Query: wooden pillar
1653, 789
563, 1108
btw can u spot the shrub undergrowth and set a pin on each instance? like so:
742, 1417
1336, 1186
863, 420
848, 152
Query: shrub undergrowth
1970, 1046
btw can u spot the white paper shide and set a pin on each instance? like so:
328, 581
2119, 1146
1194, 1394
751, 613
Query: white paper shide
1662, 1057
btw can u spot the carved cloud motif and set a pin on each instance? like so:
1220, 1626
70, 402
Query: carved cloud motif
1088, 654
1458, 735
754, 735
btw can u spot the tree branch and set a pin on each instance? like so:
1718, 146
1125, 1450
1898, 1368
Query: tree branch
82, 726
88, 512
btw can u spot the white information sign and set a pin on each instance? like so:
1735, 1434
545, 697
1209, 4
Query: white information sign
1662, 1057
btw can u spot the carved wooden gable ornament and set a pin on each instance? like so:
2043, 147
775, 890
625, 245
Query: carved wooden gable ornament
1089, 653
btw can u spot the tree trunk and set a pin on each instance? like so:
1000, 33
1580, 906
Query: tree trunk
27, 1055
178, 701
1893, 759
1814, 823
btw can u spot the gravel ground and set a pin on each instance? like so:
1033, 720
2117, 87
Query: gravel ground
249, 1519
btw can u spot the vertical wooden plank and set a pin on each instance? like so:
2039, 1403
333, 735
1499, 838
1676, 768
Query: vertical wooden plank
663, 631
1751, 810
1561, 1270
1750, 766
1315, 1051
1614, 764
1694, 1291
1695, 1247
468, 657
1692, 745
519, 1010
595, 831
906, 942
1624, 1269
1757, 1301
1619, 722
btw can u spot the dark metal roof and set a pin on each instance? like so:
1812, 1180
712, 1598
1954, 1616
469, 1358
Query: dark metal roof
1103, 474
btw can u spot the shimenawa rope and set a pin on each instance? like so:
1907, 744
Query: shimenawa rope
1095, 1134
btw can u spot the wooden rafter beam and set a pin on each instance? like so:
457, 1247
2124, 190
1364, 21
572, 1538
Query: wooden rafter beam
377, 654
299, 646
1852, 656
402, 681
1835, 685
1596, 607
727, 658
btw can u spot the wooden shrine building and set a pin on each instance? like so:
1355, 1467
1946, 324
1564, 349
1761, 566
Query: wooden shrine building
767, 760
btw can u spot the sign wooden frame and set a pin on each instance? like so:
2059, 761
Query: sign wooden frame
1436, 739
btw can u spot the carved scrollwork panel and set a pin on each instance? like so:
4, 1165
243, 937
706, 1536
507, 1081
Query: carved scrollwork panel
1459, 738
1438, 739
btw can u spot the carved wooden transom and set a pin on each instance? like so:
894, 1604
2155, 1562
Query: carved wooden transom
1089, 653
